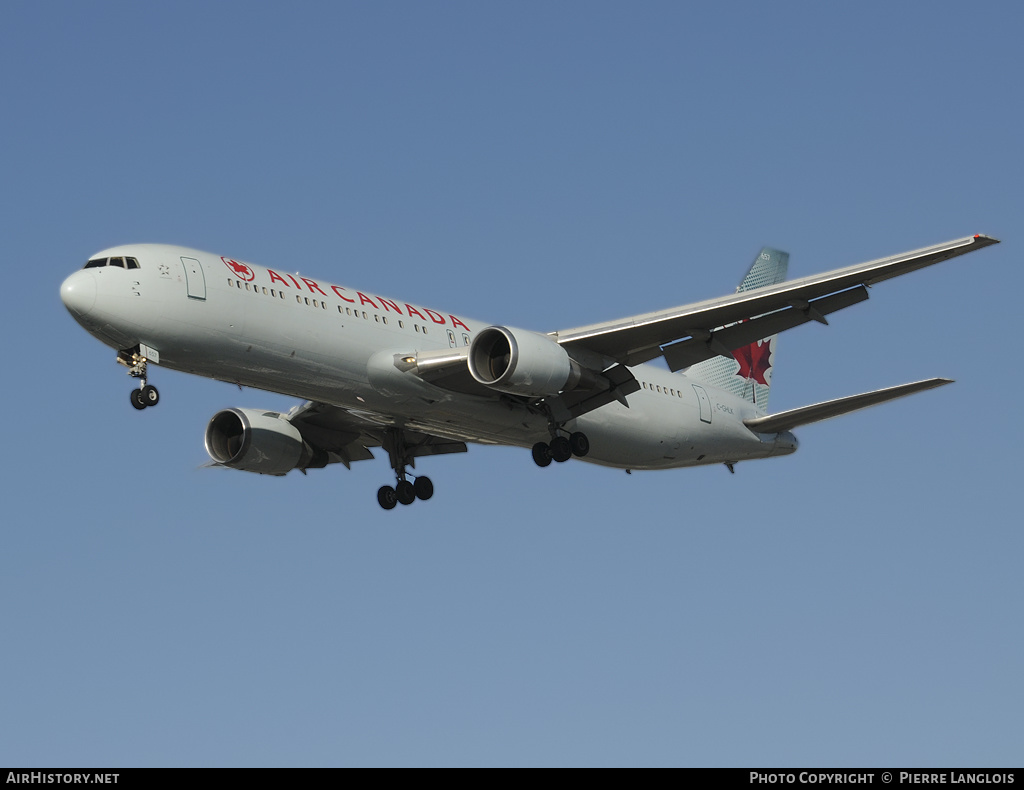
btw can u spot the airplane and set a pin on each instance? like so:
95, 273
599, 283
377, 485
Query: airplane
374, 372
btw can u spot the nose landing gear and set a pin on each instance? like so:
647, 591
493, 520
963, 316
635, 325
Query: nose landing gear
146, 394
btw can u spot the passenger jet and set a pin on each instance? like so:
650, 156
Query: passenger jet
418, 381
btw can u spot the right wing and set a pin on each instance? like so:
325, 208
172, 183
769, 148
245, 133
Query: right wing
683, 335
692, 333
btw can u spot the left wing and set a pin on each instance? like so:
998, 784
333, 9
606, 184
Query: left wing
711, 328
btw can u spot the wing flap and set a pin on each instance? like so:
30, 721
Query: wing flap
787, 420
725, 341
575, 403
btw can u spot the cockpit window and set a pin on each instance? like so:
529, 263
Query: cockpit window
124, 263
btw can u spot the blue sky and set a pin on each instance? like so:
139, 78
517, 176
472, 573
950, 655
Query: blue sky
543, 165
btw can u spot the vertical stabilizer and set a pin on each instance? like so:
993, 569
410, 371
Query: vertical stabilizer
749, 373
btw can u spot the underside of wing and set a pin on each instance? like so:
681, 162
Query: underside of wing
692, 333
347, 436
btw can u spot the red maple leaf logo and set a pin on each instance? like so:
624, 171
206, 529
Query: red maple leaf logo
754, 361
240, 269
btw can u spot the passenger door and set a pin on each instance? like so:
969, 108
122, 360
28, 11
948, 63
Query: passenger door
194, 278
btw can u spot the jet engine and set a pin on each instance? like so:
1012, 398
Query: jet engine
259, 441
523, 363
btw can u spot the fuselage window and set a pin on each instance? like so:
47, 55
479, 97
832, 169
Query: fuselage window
247, 287
96, 263
116, 262
365, 318
314, 303
424, 330
264, 290
298, 299
465, 339
230, 282
376, 318
401, 324
348, 311
417, 327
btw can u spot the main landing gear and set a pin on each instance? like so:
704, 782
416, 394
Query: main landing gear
404, 491
561, 448
146, 394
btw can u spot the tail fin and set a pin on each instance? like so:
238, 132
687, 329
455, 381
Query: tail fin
748, 374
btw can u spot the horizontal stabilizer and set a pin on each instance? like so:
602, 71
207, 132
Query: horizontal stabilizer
787, 420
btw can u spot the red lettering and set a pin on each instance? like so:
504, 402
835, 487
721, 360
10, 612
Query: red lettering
437, 318
364, 299
413, 311
312, 285
296, 283
387, 304
338, 290
275, 277
457, 322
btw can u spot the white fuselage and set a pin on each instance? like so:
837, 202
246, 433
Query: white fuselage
306, 338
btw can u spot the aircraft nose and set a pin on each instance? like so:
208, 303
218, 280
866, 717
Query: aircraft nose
78, 292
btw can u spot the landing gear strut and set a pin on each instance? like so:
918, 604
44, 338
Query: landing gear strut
404, 491
561, 448
146, 394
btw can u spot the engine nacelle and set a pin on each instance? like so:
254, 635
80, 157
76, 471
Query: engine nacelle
521, 363
259, 441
